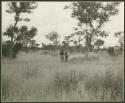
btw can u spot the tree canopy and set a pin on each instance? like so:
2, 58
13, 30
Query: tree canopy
18, 8
53, 37
99, 42
19, 33
91, 18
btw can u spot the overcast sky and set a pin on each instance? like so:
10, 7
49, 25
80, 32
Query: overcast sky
51, 16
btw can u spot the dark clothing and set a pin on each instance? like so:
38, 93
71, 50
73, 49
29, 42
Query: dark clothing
64, 52
65, 47
111, 51
64, 55
61, 52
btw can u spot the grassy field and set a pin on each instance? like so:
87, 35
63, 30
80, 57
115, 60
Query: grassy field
38, 77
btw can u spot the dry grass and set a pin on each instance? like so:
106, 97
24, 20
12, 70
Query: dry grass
36, 77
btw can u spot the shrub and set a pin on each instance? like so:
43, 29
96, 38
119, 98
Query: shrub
7, 47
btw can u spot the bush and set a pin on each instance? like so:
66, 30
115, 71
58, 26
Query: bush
16, 49
7, 47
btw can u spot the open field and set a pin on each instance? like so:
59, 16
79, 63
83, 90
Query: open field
38, 77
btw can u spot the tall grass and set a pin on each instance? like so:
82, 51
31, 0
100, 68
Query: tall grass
35, 77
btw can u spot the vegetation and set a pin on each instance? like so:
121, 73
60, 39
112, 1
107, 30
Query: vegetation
45, 78
92, 16
120, 35
37, 76
54, 38
99, 43
13, 31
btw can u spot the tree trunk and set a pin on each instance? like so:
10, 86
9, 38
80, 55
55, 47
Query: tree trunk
12, 38
11, 49
89, 45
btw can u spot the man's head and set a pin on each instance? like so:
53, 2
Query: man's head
63, 42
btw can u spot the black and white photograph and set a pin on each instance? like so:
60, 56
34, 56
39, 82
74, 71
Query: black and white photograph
62, 51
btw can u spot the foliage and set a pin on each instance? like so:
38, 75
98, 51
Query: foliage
26, 35
9, 31
53, 37
18, 8
15, 33
6, 48
92, 16
120, 35
99, 42
21, 7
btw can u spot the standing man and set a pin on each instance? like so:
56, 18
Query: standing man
64, 51
62, 54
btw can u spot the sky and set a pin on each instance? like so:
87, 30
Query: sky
51, 16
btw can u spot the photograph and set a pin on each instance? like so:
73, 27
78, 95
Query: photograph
62, 51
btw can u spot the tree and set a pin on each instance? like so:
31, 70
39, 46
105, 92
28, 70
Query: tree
9, 32
117, 34
54, 38
79, 39
99, 43
17, 8
92, 16
121, 41
75, 43
43, 46
26, 35
67, 38
120, 35
32, 43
